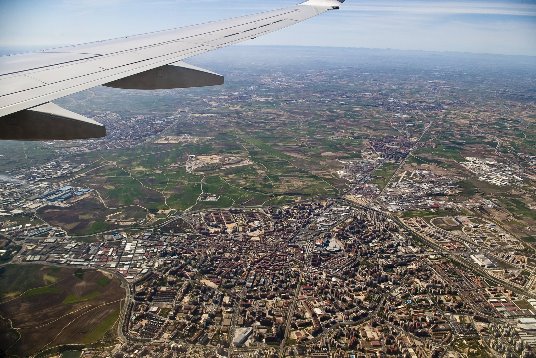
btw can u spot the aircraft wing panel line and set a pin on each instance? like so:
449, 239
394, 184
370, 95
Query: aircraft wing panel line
166, 58
58, 90
8, 64
194, 32
59, 71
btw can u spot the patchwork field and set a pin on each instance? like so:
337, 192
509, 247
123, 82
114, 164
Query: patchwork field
43, 307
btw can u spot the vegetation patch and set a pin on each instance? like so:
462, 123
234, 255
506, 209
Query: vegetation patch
100, 329
383, 174
518, 208
73, 298
15, 279
79, 273
49, 278
45, 290
471, 348
103, 281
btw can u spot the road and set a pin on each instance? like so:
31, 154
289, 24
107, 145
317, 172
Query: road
234, 320
468, 265
290, 314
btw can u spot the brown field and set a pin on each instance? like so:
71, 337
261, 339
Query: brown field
51, 306
78, 218
447, 223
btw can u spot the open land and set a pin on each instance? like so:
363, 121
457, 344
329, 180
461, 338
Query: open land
42, 307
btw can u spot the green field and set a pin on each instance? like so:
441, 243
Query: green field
73, 298
15, 280
518, 208
153, 176
383, 174
471, 348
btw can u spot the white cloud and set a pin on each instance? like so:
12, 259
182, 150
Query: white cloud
445, 8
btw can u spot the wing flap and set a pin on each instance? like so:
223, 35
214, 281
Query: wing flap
49, 122
177, 75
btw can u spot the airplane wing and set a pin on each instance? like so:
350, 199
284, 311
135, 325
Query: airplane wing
30, 82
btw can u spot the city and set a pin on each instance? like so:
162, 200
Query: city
272, 218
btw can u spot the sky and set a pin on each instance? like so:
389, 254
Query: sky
476, 26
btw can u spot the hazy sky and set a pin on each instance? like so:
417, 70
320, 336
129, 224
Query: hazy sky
480, 26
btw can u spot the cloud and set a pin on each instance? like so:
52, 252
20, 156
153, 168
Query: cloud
444, 8
448, 26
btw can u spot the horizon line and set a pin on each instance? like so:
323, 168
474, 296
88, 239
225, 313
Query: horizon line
38, 48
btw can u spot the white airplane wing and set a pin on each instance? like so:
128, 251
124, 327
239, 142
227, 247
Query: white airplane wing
30, 82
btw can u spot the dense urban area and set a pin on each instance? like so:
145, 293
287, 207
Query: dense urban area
325, 203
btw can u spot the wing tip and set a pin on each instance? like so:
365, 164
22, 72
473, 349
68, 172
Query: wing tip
329, 4
324, 3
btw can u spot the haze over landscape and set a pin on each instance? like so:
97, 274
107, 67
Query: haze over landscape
480, 26
325, 202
